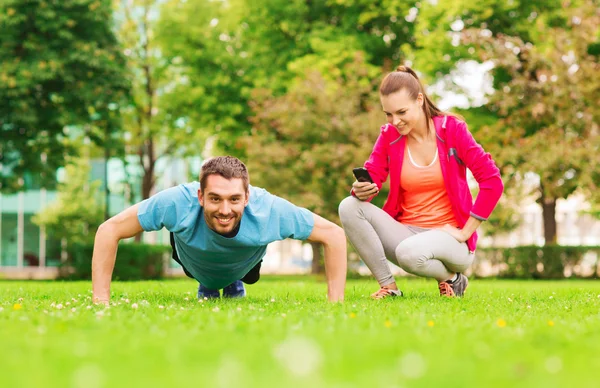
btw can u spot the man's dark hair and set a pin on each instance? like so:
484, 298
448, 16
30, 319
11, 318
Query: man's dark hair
226, 166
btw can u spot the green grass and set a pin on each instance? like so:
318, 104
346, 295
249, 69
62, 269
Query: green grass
284, 334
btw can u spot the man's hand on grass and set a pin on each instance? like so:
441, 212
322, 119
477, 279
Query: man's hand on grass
98, 300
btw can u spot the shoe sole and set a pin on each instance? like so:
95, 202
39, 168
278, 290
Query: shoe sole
465, 289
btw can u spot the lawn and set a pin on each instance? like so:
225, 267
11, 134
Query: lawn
284, 334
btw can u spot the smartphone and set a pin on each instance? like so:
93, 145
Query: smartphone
362, 175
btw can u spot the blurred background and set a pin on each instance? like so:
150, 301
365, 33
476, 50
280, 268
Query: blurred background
104, 103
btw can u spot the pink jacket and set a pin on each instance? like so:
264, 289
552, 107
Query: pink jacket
457, 151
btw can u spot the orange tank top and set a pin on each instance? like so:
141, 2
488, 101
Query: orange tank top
425, 202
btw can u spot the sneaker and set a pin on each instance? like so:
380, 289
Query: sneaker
446, 289
386, 292
234, 290
459, 285
208, 293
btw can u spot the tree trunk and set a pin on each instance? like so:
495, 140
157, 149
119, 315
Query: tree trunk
317, 261
549, 215
147, 160
147, 184
106, 188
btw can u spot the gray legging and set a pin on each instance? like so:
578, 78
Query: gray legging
423, 252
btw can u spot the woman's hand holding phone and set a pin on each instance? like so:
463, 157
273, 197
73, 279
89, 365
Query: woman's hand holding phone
364, 190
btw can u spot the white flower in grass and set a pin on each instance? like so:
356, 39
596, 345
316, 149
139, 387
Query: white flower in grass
272, 300
52, 304
145, 303
231, 372
68, 304
89, 307
554, 364
412, 365
73, 309
88, 376
200, 300
300, 356
161, 307
59, 306
134, 305
126, 300
186, 298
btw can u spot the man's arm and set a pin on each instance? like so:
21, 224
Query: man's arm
333, 239
123, 225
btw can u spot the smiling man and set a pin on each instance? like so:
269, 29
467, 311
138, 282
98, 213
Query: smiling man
220, 228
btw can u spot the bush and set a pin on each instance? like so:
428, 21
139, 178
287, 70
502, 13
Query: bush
134, 262
534, 262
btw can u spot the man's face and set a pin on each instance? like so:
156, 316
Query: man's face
224, 202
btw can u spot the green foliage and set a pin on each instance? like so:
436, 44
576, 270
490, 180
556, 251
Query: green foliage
229, 49
211, 85
534, 262
304, 144
134, 262
547, 111
77, 212
158, 119
60, 65
439, 44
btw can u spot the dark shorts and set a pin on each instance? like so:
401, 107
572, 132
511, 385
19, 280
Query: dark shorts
250, 278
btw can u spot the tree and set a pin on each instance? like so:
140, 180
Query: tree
158, 118
228, 49
304, 144
439, 47
548, 113
61, 66
77, 212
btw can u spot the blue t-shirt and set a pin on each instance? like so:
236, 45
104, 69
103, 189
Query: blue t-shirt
214, 260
